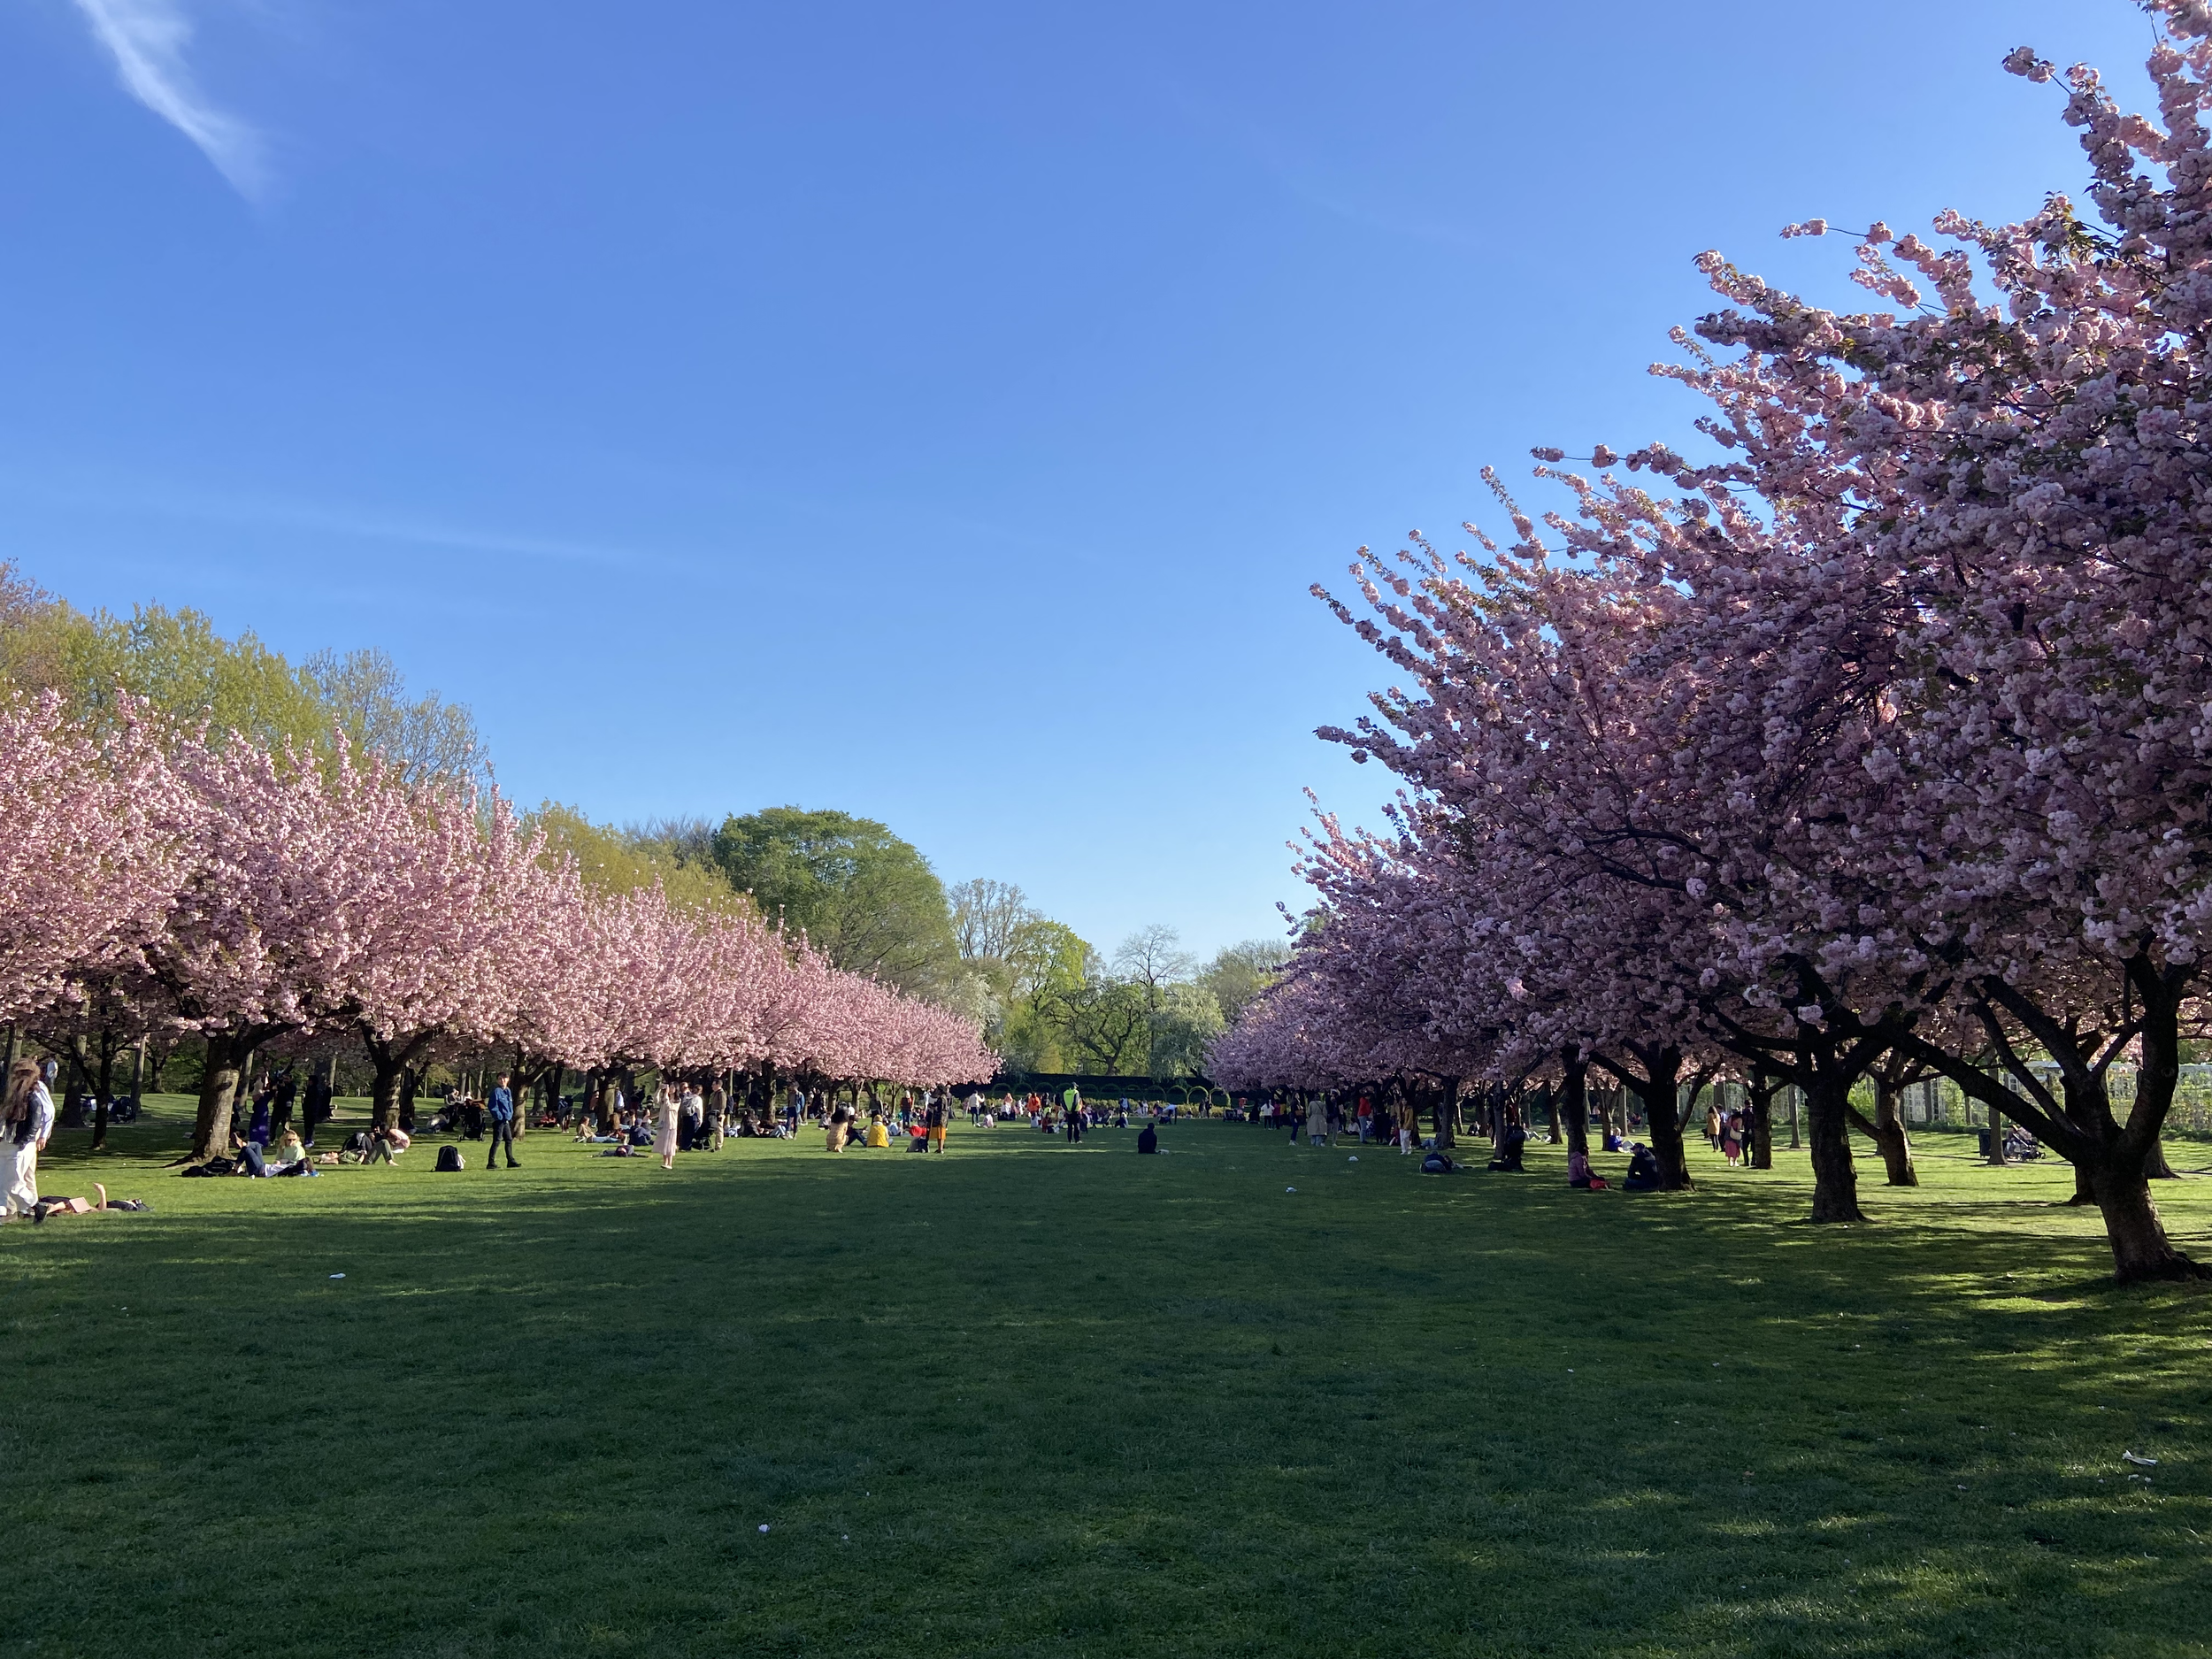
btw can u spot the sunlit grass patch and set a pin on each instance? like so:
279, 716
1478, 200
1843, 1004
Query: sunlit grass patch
1023, 1399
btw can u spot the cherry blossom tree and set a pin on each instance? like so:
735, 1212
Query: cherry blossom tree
91, 859
1885, 732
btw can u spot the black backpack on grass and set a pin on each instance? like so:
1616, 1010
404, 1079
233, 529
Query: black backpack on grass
450, 1158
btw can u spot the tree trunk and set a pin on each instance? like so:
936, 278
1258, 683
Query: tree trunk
2140, 1249
1660, 1089
1835, 1181
1570, 1106
1663, 1118
1995, 1155
219, 1085
1666, 1145
1446, 1109
100, 1095
387, 1067
1759, 1119
1888, 1134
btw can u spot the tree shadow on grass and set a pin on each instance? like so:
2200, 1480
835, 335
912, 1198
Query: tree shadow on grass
1029, 1403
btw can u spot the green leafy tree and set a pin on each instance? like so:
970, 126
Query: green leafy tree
867, 899
1108, 1026
364, 695
621, 861
1239, 973
176, 662
1184, 1019
1050, 969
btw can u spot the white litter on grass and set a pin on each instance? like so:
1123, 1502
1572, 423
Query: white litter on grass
1353, 1159
2144, 1462
337, 1276
1290, 1189
764, 1527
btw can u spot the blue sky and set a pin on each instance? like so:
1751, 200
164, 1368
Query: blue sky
932, 411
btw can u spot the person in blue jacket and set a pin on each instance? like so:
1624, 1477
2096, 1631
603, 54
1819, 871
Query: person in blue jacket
501, 1110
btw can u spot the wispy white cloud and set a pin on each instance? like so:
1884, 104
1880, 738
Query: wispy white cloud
148, 38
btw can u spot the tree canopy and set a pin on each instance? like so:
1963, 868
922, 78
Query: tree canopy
866, 899
176, 662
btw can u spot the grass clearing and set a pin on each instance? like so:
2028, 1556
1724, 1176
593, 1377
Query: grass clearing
1028, 1400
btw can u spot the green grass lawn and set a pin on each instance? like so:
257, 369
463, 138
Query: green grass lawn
1029, 1399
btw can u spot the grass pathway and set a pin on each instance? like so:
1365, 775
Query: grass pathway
1029, 1399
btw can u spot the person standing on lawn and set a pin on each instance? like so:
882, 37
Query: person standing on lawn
933, 1117
664, 1130
316, 1105
500, 1110
25, 1125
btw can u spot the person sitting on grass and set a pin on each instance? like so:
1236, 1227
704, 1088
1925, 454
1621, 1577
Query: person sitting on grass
290, 1157
878, 1135
1643, 1170
1581, 1176
1148, 1139
1511, 1139
386, 1142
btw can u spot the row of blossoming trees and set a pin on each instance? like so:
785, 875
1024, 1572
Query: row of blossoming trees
157, 879
1876, 746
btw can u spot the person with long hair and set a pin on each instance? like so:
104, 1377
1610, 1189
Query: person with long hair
669, 1106
26, 1121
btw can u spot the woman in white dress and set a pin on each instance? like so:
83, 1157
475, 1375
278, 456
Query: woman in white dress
26, 1122
664, 1131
